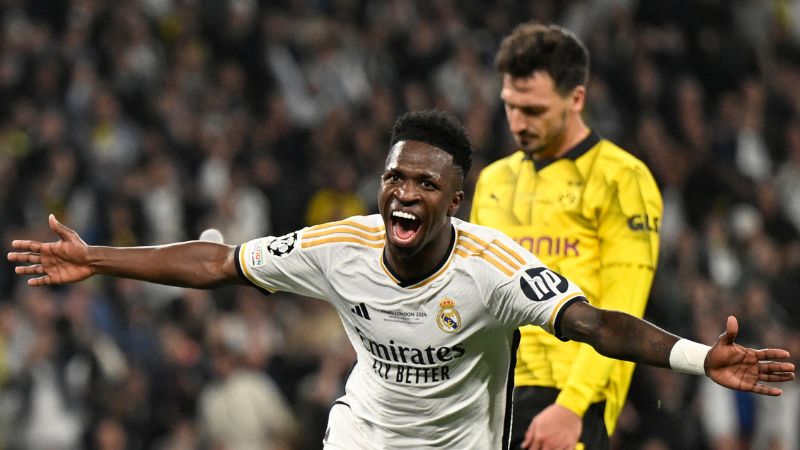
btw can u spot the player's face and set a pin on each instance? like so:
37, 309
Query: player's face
420, 190
537, 114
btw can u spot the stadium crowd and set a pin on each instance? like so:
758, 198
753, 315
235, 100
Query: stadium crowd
142, 122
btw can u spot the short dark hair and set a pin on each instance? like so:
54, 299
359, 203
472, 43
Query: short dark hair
533, 47
439, 129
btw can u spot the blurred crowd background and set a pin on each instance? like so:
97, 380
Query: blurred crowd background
141, 122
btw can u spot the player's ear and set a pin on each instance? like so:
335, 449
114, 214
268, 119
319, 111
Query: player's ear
578, 97
455, 203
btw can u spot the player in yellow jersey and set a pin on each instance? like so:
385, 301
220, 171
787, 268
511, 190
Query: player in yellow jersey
587, 209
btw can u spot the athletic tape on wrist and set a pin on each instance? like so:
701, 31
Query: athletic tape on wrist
688, 357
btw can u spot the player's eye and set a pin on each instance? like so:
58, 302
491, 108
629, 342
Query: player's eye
531, 111
427, 184
528, 111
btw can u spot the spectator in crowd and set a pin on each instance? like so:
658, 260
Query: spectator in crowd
241, 407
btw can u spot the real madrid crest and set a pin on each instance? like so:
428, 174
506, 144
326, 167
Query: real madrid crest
448, 318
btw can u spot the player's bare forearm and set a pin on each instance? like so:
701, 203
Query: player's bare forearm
68, 260
618, 335
193, 264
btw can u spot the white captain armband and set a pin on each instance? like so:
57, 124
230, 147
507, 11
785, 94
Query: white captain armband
688, 357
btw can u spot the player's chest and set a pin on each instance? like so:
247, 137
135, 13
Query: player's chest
558, 189
437, 313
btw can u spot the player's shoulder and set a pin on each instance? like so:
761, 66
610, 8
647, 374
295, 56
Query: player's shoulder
609, 164
370, 222
614, 172
481, 244
356, 231
503, 167
611, 157
481, 232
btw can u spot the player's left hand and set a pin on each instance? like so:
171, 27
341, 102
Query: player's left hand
745, 369
555, 428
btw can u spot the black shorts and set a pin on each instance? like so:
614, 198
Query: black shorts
531, 400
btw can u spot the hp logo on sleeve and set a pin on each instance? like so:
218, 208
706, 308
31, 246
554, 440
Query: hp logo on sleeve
540, 284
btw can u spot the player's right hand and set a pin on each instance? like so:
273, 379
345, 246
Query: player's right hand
64, 261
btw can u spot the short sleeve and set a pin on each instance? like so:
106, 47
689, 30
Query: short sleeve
534, 295
274, 264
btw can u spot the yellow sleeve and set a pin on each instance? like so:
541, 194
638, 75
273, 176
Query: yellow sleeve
476, 197
628, 233
492, 201
626, 290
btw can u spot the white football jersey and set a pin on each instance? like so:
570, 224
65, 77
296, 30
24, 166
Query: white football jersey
435, 356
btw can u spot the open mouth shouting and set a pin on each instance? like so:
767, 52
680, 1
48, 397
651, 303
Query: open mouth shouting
404, 227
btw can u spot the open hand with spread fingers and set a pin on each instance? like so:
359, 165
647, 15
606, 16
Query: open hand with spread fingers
746, 369
64, 261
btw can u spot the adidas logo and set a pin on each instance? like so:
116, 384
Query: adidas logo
361, 310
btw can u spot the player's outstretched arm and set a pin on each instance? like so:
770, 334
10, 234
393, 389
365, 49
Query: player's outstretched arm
619, 335
68, 260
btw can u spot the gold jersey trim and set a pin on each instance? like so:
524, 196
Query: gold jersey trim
466, 254
350, 223
335, 239
246, 271
498, 254
557, 309
343, 231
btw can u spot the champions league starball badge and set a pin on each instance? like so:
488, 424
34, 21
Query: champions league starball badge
448, 318
283, 245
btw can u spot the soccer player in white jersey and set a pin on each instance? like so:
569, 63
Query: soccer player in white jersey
430, 303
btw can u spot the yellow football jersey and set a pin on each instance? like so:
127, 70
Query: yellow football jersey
592, 215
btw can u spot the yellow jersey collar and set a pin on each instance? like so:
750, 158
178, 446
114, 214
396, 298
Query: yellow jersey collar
574, 153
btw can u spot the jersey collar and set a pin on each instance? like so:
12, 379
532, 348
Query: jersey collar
572, 154
425, 279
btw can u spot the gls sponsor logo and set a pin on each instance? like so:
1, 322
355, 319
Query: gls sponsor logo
542, 284
643, 222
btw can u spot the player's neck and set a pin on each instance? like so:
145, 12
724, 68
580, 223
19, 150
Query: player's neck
576, 132
422, 264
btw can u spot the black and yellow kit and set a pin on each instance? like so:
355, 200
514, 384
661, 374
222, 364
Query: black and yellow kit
592, 215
